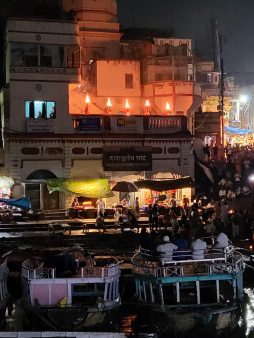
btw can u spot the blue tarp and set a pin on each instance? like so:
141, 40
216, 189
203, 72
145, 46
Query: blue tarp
23, 203
239, 131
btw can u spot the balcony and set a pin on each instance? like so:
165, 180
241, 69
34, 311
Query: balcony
99, 124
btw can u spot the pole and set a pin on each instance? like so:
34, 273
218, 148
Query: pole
222, 84
222, 101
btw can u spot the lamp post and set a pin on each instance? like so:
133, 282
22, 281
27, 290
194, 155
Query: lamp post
87, 102
127, 107
108, 107
167, 109
147, 108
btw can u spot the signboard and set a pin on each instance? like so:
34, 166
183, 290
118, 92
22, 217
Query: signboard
125, 124
127, 160
40, 126
89, 123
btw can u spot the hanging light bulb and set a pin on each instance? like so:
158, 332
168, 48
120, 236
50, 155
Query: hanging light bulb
109, 104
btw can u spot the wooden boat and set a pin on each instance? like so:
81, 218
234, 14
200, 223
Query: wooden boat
69, 291
187, 295
4, 295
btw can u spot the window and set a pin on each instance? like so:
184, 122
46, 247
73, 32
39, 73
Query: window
96, 151
40, 109
73, 57
30, 151
128, 81
78, 151
42, 55
173, 150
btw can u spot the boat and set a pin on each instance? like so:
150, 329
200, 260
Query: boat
4, 295
187, 296
70, 291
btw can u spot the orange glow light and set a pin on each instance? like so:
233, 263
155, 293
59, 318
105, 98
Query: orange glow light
109, 104
147, 104
87, 100
127, 105
167, 109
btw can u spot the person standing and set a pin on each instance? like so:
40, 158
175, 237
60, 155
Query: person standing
215, 152
100, 207
136, 208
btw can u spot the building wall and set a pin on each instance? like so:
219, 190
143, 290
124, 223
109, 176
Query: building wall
21, 91
89, 164
110, 78
92, 10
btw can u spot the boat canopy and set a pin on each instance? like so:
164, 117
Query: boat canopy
91, 188
165, 185
23, 203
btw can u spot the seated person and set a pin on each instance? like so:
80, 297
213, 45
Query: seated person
182, 252
75, 203
198, 247
166, 250
100, 223
221, 241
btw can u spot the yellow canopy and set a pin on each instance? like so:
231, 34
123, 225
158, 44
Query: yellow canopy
91, 188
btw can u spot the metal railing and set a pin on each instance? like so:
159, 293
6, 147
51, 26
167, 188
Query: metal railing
181, 263
111, 270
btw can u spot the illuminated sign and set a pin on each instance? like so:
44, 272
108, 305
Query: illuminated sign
127, 160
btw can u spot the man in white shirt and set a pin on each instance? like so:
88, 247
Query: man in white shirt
221, 241
100, 207
166, 250
198, 247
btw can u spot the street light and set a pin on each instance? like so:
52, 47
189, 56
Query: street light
251, 180
244, 98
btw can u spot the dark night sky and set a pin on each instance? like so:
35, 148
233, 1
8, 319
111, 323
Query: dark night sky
191, 19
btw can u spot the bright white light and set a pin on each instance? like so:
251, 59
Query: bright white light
147, 104
251, 178
87, 100
127, 105
244, 98
109, 104
167, 107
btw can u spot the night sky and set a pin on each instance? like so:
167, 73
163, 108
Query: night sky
192, 19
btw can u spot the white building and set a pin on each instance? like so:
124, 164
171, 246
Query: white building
49, 131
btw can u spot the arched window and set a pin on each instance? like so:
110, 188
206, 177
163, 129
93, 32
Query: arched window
41, 175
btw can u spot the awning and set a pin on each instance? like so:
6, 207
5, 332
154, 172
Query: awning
165, 185
91, 188
238, 131
22, 203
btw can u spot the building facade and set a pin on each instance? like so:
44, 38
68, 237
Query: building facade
73, 107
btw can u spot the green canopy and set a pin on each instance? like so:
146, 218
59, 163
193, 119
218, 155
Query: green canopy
91, 188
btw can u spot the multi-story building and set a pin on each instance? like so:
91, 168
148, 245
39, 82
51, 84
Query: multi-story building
73, 108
